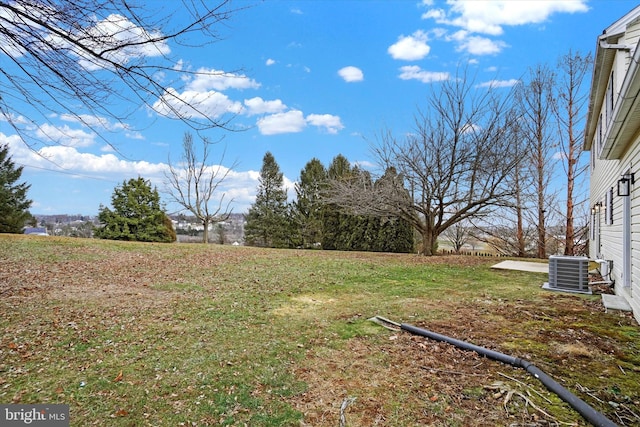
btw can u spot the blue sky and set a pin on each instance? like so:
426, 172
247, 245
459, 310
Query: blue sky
307, 79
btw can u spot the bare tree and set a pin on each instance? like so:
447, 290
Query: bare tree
458, 235
93, 62
536, 108
454, 166
497, 230
572, 98
192, 184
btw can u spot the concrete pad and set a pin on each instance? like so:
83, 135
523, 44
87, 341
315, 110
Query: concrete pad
615, 302
548, 287
534, 267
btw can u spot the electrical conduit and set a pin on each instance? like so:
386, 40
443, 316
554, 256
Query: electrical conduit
587, 412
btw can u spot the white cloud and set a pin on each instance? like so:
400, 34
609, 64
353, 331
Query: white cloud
65, 135
69, 158
438, 14
17, 148
258, 105
499, 83
365, 164
195, 104
414, 72
290, 122
270, 62
410, 48
207, 79
490, 16
331, 124
477, 45
116, 30
98, 123
351, 74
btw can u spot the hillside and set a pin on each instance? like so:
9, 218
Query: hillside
175, 334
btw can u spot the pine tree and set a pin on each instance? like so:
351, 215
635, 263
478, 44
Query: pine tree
307, 210
136, 215
334, 222
14, 205
395, 234
267, 222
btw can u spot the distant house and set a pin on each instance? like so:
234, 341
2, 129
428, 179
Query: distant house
36, 231
612, 136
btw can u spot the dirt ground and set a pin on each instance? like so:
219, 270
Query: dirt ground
442, 385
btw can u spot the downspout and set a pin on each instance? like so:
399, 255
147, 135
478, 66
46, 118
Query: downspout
587, 412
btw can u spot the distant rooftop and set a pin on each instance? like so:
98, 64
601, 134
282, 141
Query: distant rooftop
38, 231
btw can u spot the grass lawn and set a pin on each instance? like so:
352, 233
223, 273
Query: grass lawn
132, 334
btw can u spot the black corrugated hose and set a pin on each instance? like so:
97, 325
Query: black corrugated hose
588, 413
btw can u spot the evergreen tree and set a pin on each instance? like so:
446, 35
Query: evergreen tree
14, 205
355, 232
334, 221
395, 234
307, 210
360, 232
136, 215
267, 222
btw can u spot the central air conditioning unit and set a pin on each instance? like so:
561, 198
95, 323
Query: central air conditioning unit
568, 274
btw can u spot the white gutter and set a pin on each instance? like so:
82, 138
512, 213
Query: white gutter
604, 45
630, 89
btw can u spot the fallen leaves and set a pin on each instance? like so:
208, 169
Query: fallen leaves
121, 413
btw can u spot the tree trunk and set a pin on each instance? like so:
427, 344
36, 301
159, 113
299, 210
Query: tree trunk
429, 243
205, 234
571, 165
569, 232
542, 241
520, 241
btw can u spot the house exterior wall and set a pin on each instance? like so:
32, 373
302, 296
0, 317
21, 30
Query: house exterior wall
604, 178
608, 211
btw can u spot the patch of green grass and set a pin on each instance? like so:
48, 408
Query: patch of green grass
169, 334
173, 286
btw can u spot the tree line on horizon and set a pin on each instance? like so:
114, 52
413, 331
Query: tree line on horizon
479, 161
312, 221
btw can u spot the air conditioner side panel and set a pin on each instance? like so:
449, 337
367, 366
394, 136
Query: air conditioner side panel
569, 273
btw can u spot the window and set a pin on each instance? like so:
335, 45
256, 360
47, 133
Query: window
610, 98
608, 207
595, 227
598, 137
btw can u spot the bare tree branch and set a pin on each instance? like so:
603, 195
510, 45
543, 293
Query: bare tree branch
454, 166
193, 183
106, 59
570, 111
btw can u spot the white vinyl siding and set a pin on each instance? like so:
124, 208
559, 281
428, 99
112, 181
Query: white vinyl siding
608, 234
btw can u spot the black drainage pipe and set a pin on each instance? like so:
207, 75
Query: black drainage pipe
588, 413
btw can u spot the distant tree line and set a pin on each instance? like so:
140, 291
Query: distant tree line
480, 162
312, 221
